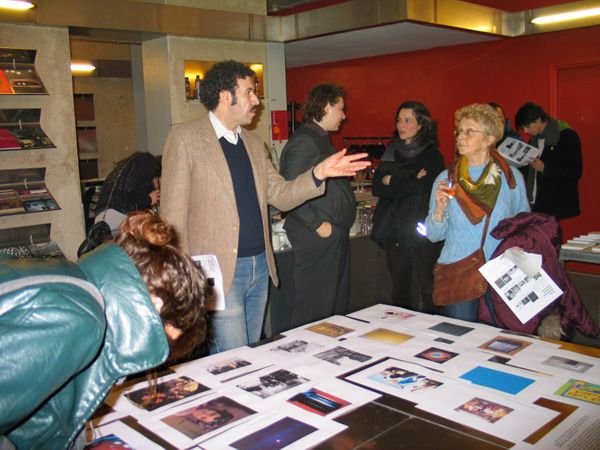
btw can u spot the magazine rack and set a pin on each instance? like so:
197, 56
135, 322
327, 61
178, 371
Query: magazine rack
20, 130
31, 241
24, 191
18, 74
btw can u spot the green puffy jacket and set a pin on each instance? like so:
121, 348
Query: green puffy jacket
62, 350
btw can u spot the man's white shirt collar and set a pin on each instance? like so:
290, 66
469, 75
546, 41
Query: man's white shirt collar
222, 131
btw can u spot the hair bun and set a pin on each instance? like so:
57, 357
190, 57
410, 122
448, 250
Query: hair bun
149, 227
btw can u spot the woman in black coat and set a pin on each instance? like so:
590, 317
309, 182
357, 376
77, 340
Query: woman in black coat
403, 182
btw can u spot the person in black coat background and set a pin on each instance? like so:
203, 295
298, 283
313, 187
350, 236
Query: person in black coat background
552, 178
133, 185
319, 229
403, 182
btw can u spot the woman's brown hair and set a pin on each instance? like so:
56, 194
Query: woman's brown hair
169, 274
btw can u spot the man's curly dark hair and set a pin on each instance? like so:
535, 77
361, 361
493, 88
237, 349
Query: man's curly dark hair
222, 76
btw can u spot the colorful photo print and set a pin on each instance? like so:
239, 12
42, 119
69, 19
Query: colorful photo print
387, 336
111, 442
318, 402
436, 355
339, 354
505, 345
227, 366
276, 436
209, 416
329, 329
404, 379
489, 411
580, 390
167, 392
273, 383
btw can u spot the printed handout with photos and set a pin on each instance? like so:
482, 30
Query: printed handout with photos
196, 421
214, 277
341, 358
517, 153
402, 379
488, 412
387, 313
333, 327
118, 436
283, 429
142, 400
219, 368
275, 380
298, 348
332, 398
525, 295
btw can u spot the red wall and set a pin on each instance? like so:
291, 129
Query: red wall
511, 71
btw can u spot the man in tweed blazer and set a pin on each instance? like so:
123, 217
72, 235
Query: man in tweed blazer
217, 183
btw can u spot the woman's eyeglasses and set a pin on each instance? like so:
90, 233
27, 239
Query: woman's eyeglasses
467, 133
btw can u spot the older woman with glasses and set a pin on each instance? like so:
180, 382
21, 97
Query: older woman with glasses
477, 185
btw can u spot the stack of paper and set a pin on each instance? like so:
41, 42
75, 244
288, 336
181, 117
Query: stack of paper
583, 242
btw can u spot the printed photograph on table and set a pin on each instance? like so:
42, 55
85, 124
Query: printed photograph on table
227, 365
342, 356
451, 328
436, 355
505, 345
404, 379
329, 329
276, 436
567, 364
273, 383
293, 347
487, 410
318, 402
580, 390
167, 392
400, 379
396, 315
387, 336
201, 419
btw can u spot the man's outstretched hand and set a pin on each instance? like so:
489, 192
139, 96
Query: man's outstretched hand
341, 165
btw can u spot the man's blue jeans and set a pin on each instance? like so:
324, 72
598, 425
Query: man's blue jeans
240, 323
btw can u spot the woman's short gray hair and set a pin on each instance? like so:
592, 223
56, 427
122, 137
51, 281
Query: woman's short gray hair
486, 116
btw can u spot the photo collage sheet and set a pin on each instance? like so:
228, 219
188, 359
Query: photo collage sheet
286, 394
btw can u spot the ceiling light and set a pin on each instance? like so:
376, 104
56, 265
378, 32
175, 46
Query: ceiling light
16, 4
82, 67
567, 16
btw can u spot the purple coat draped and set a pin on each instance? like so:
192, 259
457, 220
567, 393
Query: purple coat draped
541, 234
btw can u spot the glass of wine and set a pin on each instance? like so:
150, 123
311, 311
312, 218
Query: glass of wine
451, 194
360, 176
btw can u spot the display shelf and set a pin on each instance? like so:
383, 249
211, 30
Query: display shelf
31, 241
17, 72
23, 191
20, 130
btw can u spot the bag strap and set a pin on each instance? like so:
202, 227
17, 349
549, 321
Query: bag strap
25, 282
485, 228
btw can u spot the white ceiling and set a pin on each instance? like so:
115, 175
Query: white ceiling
376, 41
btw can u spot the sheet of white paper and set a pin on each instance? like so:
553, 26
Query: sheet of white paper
487, 412
212, 271
525, 295
517, 153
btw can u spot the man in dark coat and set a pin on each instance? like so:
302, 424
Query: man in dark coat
553, 177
